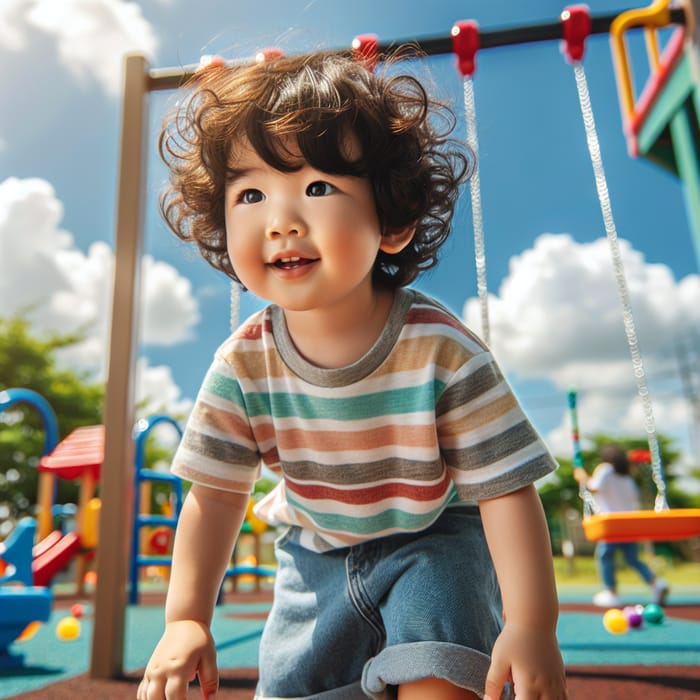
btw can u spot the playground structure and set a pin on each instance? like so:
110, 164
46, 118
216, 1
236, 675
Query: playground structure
118, 448
151, 539
22, 604
661, 123
79, 456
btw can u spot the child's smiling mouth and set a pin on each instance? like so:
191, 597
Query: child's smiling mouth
292, 262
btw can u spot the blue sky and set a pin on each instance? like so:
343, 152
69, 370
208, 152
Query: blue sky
556, 320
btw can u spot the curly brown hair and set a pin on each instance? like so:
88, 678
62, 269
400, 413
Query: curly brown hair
415, 168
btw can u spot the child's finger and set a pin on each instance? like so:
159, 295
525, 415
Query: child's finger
208, 676
495, 681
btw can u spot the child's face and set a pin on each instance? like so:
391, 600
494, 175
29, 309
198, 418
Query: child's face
305, 240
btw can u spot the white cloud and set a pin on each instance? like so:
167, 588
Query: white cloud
170, 310
557, 317
64, 289
91, 36
558, 313
12, 38
157, 392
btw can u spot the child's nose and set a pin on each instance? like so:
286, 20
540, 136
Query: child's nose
272, 232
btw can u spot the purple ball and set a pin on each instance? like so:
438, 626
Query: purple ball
634, 615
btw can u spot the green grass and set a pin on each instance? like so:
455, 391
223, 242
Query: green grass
583, 571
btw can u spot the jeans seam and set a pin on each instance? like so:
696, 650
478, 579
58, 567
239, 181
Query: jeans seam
362, 602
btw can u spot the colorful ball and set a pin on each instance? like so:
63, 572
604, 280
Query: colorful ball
76, 610
653, 614
615, 621
68, 629
634, 615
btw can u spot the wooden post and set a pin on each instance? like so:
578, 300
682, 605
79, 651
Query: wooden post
47, 481
116, 481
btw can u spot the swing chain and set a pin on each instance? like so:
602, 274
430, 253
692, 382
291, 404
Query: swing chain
623, 291
235, 305
477, 212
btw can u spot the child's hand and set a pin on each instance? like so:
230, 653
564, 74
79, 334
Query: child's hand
531, 660
185, 650
581, 475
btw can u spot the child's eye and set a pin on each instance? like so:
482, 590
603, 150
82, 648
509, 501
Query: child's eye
251, 196
319, 189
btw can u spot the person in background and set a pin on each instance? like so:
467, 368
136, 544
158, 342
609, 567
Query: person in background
615, 490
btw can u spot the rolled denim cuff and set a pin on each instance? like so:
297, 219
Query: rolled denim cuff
407, 663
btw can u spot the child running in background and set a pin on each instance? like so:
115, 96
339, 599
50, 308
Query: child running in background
614, 491
415, 560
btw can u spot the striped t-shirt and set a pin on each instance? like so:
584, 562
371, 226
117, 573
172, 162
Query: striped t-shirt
424, 420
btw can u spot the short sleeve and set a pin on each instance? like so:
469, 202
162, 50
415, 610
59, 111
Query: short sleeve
218, 448
487, 441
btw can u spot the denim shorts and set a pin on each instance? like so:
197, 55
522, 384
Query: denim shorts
356, 622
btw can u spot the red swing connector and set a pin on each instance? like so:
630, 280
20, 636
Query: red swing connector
465, 44
268, 54
576, 25
365, 50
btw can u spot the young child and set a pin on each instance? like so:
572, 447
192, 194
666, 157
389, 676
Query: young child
614, 490
326, 189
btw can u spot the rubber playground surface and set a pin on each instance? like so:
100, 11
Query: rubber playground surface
660, 661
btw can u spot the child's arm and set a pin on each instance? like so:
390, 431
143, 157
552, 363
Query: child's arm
527, 648
207, 529
581, 476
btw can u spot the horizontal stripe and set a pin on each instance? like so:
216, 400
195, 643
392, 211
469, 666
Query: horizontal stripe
218, 450
512, 464
359, 455
201, 469
374, 495
333, 440
507, 482
497, 407
221, 423
495, 448
470, 387
263, 427
224, 387
397, 376
397, 401
370, 525
359, 473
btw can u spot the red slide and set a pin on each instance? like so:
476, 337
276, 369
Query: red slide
53, 554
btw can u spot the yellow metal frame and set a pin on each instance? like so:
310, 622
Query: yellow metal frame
653, 17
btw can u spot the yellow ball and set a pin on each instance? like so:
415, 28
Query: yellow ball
68, 628
615, 621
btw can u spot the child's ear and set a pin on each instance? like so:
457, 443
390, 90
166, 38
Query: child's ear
395, 240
